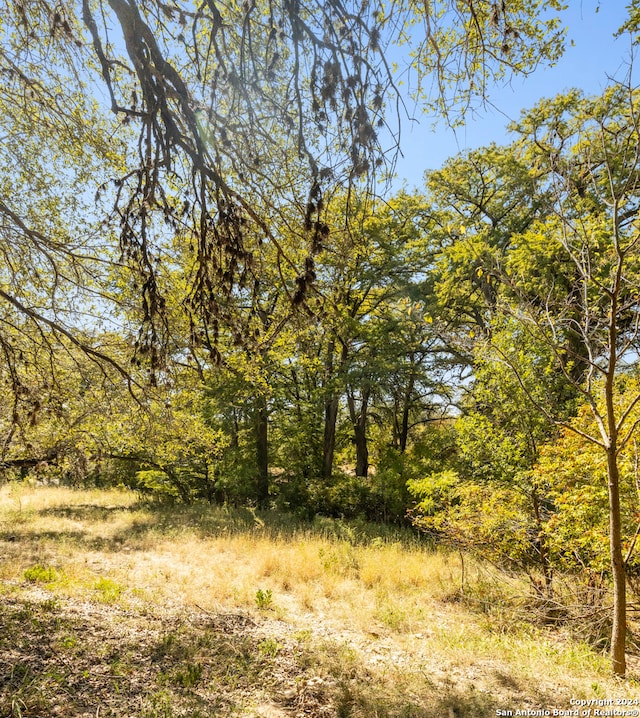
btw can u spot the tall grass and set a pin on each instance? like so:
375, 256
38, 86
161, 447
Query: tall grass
379, 604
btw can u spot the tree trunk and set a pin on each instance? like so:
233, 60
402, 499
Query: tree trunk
545, 564
619, 629
261, 425
183, 489
618, 571
406, 406
329, 440
359, 421
209, 485
235, 430
362, 450
331, 406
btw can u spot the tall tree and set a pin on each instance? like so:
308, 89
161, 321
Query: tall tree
586, 151
371, 261
478, 202
241, 112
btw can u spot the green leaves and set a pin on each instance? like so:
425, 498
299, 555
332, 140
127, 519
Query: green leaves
470, 46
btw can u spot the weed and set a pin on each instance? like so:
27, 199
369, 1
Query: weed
109, 590
40, 574
269, 648
392, 616
26, 696
51, 605
188, 675
68, 642
17, 707
120, 667
340, 560
158, 705
174, 647
25, 612
167, 645
264, 599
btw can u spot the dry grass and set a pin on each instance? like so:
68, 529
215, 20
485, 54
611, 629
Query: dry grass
220, 612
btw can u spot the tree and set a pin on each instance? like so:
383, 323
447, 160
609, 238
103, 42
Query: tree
217, 127
545, 237
486, 498
54, 261
172, 446
479, 201
586, 152
371, 261
577, 531
242, 112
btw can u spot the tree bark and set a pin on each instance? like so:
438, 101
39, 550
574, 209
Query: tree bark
359, 421
618, 571
235, 430
406, 406
329, 439
331, 407
261, 427
182, 487
545, 564
51, 457
619, 628
362, 450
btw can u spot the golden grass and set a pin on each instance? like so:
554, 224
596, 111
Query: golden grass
395, 607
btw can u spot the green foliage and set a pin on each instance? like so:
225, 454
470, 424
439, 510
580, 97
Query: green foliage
269, 648
496, 47
435, 493
574, 472
340, 560
41, 574
158, 705
156, 482
264, 599
487, 500
289, 340
108, 590
188, 675
472, 230
491, 521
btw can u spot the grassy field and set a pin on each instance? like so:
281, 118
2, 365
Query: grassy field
112, 607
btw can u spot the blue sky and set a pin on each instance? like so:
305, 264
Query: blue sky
587, 63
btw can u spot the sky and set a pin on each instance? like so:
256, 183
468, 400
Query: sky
592, 56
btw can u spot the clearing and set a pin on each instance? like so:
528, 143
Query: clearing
113, 607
